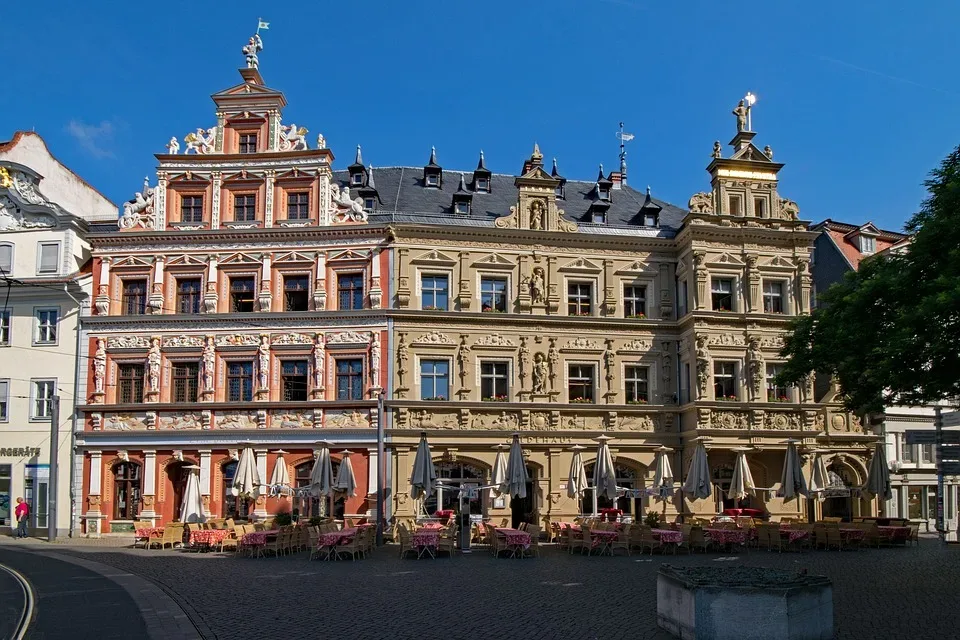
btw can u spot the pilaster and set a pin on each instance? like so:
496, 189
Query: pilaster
260, 504
268, 199
754, 297
320, 288
376, 293
265, 297
464, 293
160, 201
210, 295
149, 484
205, 486
102, 302
609, 296
701, 277
215, 199
155, 301
553, 287
523, 295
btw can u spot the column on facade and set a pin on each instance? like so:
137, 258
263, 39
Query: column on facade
102, 302
373, 473
553, 288
160, 201
376, 292
753, 284
149, 484
265, 298
155, 302
804, 283
464, 293
206, 488
268, 204
320, 288
666, 285
701, 276
93, 516
215, 199
260, 509
609, 296
210, 296
523, 293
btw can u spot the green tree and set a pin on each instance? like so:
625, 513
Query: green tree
890, 332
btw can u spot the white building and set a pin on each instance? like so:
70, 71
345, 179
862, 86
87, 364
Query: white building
45, 286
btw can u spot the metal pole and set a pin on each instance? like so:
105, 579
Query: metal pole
938, 423
380, 469
54, 454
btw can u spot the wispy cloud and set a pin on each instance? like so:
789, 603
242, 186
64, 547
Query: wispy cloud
96, 139
881, 74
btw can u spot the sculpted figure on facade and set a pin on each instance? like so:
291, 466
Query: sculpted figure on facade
321, 141
99, 367
538, 286
139, 211
609, 362
701, 202
717, 149
757, 372
553, 358
348, 210
403, 356
263, 362
209, 362
319, 361
463, 353
201, 141
523, 358
173, 147
375, 359
789, 209
806, 387
538, 214
293, 138
539, 373
250, 51
153, 364
703, 366
741, 112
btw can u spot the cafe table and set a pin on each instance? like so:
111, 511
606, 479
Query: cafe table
517, 541
894, 534
327, 542
208, 537
426, 542
727, 536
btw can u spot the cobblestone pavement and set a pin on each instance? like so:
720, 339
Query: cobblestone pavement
899, 593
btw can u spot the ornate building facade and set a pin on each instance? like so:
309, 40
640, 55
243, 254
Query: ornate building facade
239, 304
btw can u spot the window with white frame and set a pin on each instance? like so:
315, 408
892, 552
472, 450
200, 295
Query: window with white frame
434, 292
868, 244
636, 381
48, 257
4, 400
6, 259
776, 392
909, 454
772, 296
42, 401
5, 328
634, 301
926, 454
721, 294
435, 379
47, 320
724, 380
581, 383
579, 298
494, 381
493, 294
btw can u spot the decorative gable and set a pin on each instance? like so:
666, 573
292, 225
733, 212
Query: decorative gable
536, 207
726, 260
637, 268
495, 261
187, 259
240, 258
132, 261
435, 258
581, 265
349, 254
294, 256
779, 263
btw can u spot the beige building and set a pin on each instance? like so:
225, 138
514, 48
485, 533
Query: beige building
561, 310
44, 262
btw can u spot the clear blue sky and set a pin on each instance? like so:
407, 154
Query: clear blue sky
859, 99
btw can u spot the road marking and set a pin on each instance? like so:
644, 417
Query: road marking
27, 617
726, 559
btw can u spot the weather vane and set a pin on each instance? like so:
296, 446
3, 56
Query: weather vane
624, 138
255, 45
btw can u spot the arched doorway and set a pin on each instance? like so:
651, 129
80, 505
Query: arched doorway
176, 486
525, 509
627, 478
453, 474
236, 507
838, 498
722, 477
318, 506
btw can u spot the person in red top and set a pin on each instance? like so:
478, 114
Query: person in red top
22, 513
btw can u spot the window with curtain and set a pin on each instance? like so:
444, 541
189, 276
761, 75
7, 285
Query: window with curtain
126, 494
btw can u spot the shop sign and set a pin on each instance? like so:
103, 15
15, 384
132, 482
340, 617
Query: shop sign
19, 452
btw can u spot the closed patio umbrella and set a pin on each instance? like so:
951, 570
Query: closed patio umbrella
742, 482
499, 476
819, 480
246, 481
191, 508
663, 474
280, 478
423, 480
577, 482
346, 481
792, 482
878, 476
698, 485
604, 474
517, 477
321, 476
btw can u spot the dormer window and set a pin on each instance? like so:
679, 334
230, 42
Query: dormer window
868, 244
603, 193
462, 208
651, 220
433, 172
369, 204
356, 179
600, 217
559, 191
356, 170
433, 180
462, 198
248, 143
481, 177
603, 186
483, 184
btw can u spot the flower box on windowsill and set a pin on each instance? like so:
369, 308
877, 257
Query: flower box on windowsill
495, 399
492, 311
581, 401
435, 399
638, 316
637, 402
582, 314
776, 399
726, 398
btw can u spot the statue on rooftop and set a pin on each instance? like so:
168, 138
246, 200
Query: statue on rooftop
741, 113
250, 50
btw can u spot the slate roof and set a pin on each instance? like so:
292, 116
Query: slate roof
404, 198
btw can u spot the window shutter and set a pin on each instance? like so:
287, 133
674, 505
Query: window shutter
49, 258
6, 258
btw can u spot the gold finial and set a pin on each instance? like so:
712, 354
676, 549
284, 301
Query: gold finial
5, 180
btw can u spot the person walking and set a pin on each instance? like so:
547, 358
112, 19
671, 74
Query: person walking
22, 513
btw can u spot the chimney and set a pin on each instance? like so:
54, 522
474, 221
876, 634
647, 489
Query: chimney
617, 179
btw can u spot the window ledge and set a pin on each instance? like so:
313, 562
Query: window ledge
241, 224
189, 226
296, 223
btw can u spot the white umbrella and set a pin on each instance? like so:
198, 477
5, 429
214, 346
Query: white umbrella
246, 481
346, 481
878, 476
423, 480
604, 474
517, 477
499, 476
663, 475
577, 482
698, 485
321, 476
191, 508
819, 480
792, 482
742, 482
280, 478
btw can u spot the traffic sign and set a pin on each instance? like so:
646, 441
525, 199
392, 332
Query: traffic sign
950, 468
951, 419
950, 452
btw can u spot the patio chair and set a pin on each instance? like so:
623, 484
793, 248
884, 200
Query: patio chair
354, 547
914, 533
820, 536
832, 520
649, 541
141, 524
505, 522
698, 540
448, 543
622, 541
871, 534
172, 535
586, 540
834, 539
534, 532
278, 544
684, 544
635, 539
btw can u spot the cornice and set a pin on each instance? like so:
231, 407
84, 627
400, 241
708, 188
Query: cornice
326, 405
258, 321
533, 239
226, 438
217, 236
790, 231
436, 319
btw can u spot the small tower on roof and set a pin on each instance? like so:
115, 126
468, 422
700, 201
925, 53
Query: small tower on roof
368, 192
561, 187
433, 172
357, 171
462, 199
482, 177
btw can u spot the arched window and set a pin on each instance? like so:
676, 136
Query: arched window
590, 503
318, 506
126, 494
453, 474
236, 507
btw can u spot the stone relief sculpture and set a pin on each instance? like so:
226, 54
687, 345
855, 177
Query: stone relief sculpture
539, 373
153, 364
806, 387
292, 138
523, 358
263, 362
463, 353
403, 356
609, 362
173, 147
553, 358
209, 364
347, 210
375, 360
250, 51
347, 420
789, 209
538, 286
717, 150
139, 211
128, 342
537, 215
701, 202
757, 371
99, 367
201, 141
703, 366
319, 362
349, 337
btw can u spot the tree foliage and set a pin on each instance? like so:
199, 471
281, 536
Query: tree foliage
890, 332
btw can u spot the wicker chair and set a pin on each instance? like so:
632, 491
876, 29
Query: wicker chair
698, 540
354, 547
406, 541
649, 541
623, 540
172, 535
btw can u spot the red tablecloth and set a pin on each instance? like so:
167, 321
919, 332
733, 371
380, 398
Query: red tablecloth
516, 538
149, 532
895, 533
433, 526
727, 536
208, 536
334, 538
793, 535
422, 539
667, 535
853, 534
257, 538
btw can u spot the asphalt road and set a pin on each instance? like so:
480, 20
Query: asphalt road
71, 602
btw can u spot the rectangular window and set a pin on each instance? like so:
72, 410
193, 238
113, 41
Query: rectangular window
579, 298
721, 294
130, 386
349, 379
775, 392
49, 257
248, 143
636, 380
239, 381
350, 291
433, 180
493, 295
47, 320
435, 292
580, 383
296, 293
185, 377
191, 209
369, 203
650, 220
245, 207
462, 208
4, 328
133, 297
773, 297
4, 400
243, 291
6, 259
43, 392
760, 207
600, 217
682, 299
736, 206
909, 454
293, 380
483, 185
926, 454
724, 381
189, 295
298, 206
494, 381
868, 244
634, 301
434, 379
